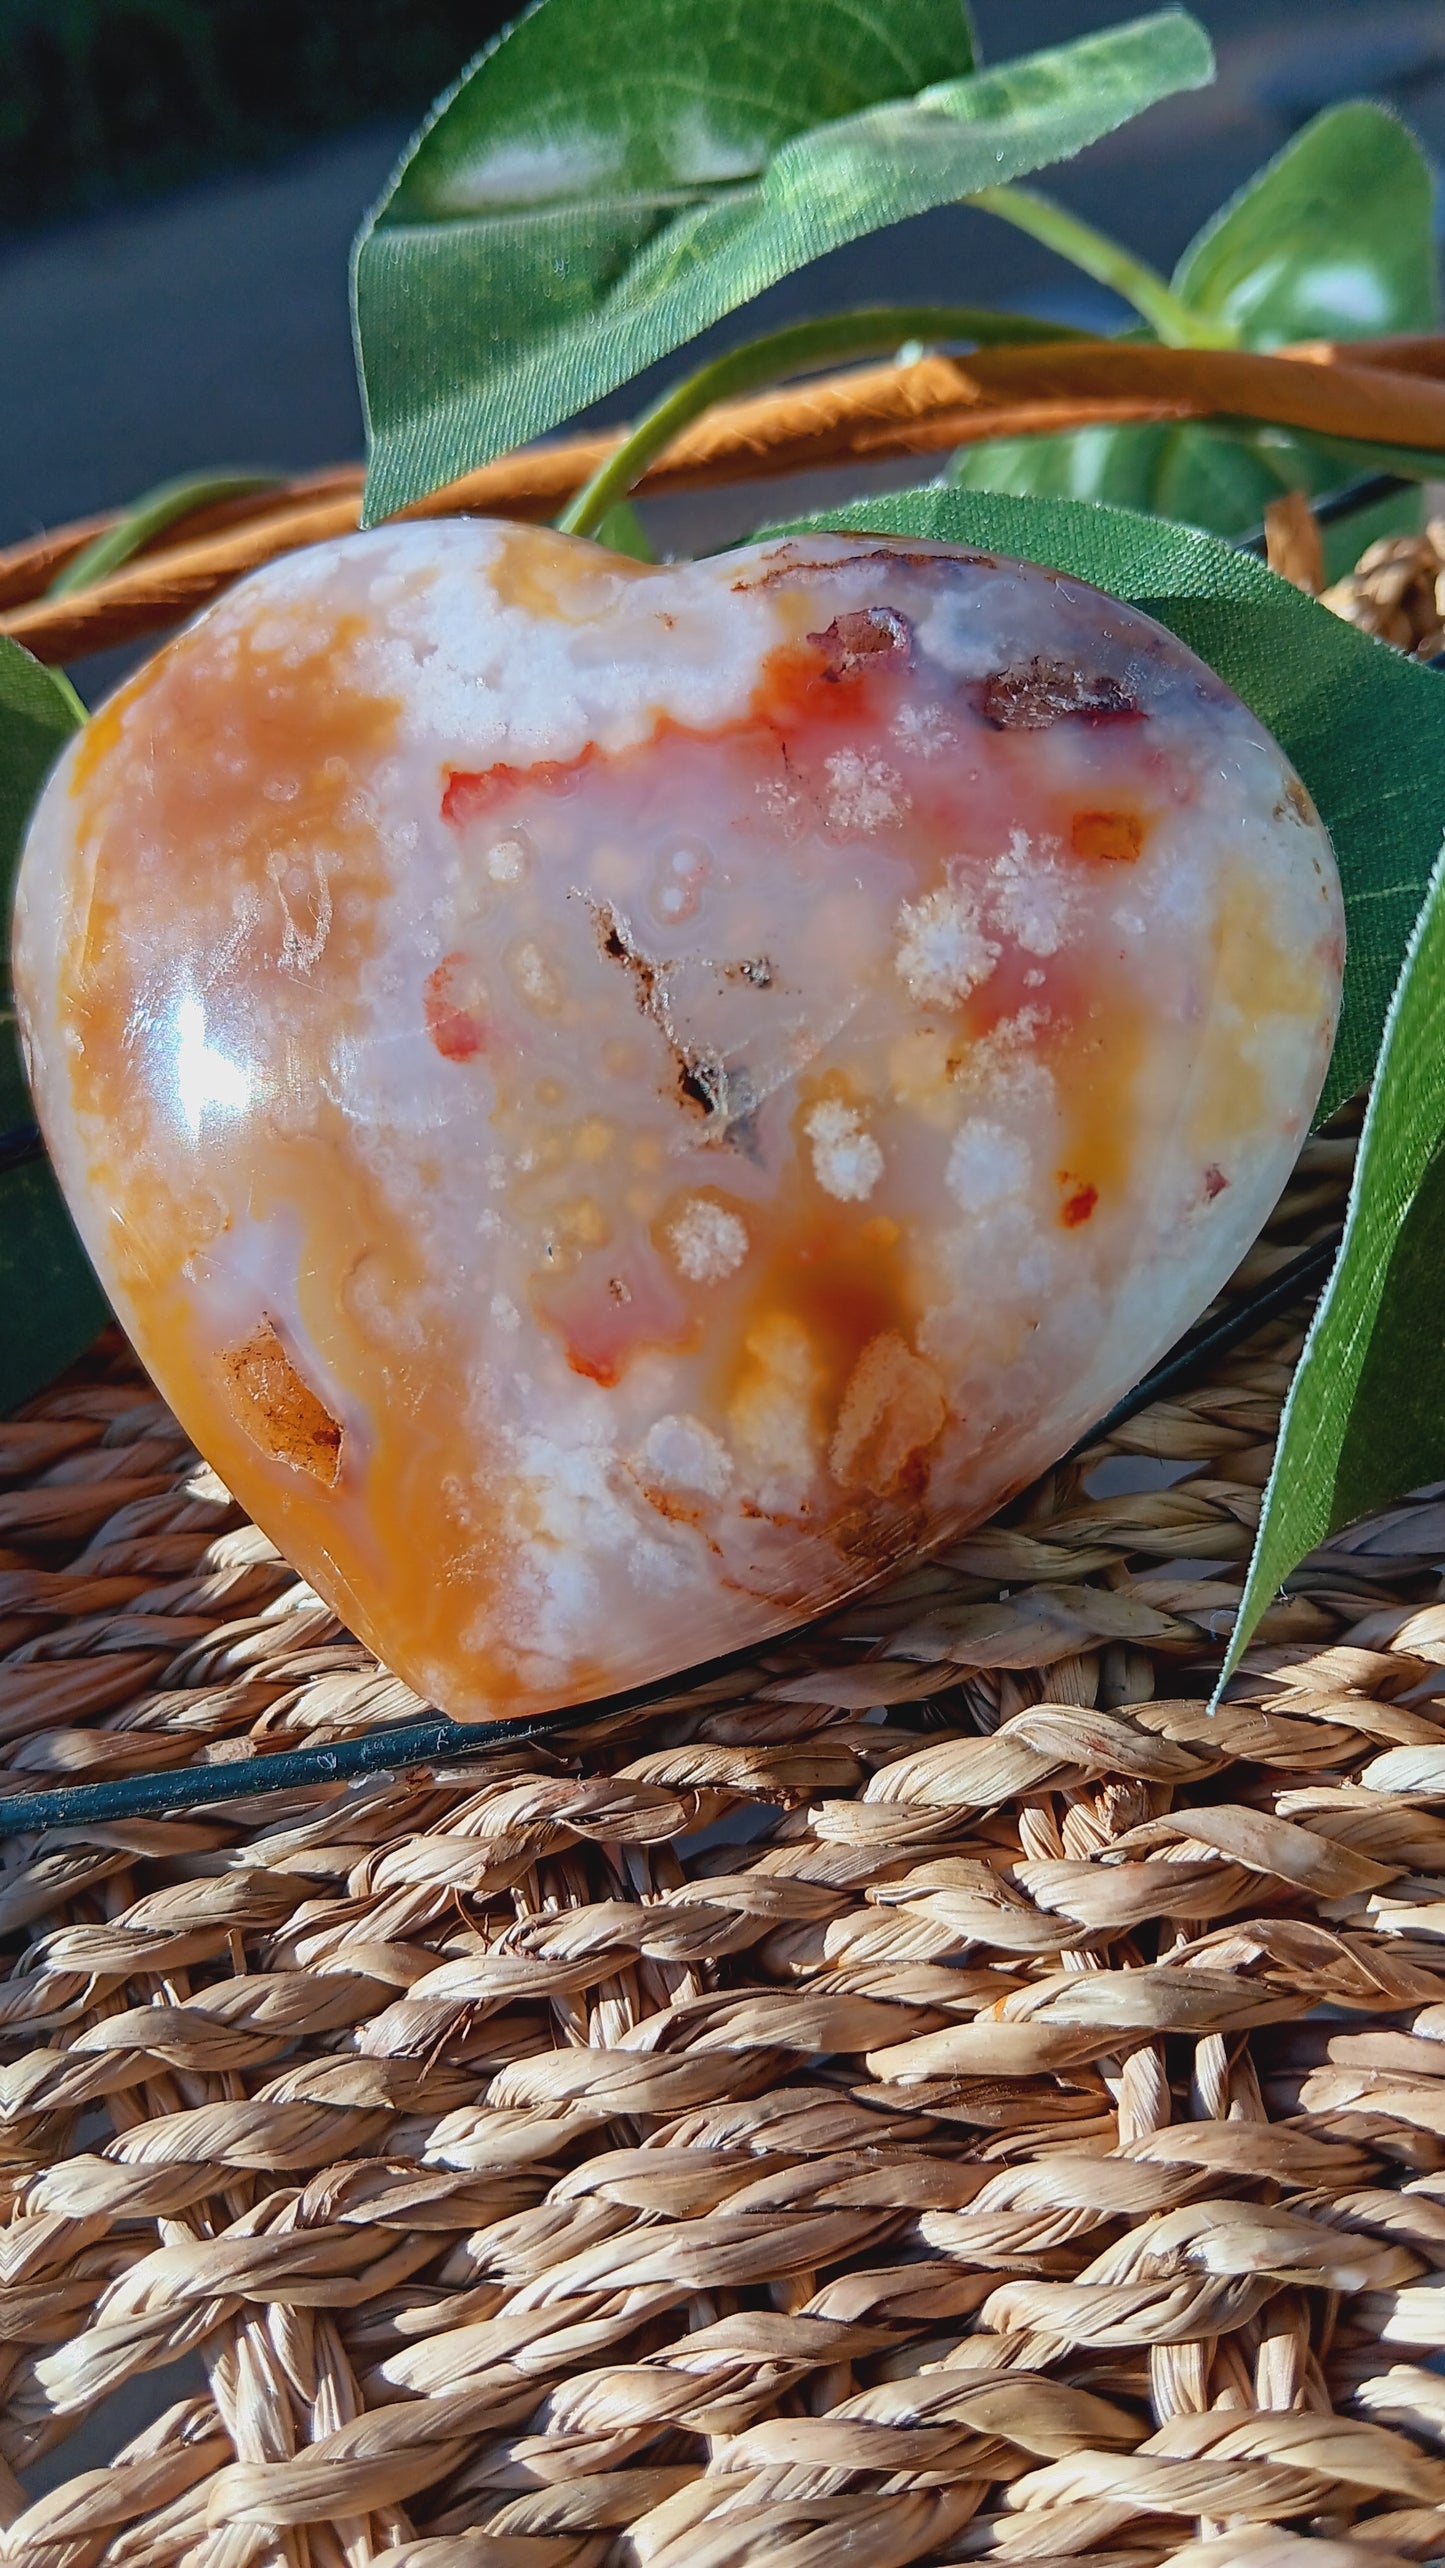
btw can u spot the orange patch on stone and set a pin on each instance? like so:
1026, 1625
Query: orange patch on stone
279, 1411
381, 1537
809, 682
893, 1409
1108, 837
1078, 1205
825, 1289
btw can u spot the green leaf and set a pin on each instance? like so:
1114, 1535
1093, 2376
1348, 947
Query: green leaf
1364, 725
622, 531
1334, 238
1212, 476
1365, 1419
614, 175
38, 712
50, 1303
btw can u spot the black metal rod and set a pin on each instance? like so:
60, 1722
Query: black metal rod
192, 1787
1338, 505
1216, 1337
412, 1743
423, 1742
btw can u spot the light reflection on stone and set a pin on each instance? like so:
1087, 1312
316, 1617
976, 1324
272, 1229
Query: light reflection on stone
204, 1076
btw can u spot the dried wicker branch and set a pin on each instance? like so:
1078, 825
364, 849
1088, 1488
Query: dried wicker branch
1379, 391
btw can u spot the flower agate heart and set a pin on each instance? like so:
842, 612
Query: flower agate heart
617, 1103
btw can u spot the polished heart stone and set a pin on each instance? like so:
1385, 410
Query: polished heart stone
618, 1103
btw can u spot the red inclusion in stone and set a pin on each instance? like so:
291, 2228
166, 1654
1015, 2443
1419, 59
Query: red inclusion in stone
457, 1034
1078, 1206
610, 1310
471, 792
810, 682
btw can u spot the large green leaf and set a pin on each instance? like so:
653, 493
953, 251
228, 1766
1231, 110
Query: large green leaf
50, 1303
614, 175
1365, 1419
1364, 725
1333, 239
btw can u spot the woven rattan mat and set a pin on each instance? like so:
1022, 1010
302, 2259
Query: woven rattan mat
939, 2095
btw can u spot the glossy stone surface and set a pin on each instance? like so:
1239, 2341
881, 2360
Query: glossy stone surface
618, 1103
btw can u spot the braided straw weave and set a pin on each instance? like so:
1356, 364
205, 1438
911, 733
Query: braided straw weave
938, 2095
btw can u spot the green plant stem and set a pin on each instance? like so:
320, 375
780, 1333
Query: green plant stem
794, 350
149, 517
1106, 261
75, 701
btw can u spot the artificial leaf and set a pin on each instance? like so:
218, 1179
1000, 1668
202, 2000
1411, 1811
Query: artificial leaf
1364, 725
51, 1303
614, 175
1365, 1419
53, 1306
1334, 238
622, 531
38, 713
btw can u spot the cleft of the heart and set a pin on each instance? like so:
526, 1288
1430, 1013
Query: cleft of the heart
617, 1104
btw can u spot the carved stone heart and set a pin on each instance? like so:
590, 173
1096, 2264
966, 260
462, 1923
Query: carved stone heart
618, 1103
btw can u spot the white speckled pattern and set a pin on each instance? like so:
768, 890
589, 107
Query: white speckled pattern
615, 1102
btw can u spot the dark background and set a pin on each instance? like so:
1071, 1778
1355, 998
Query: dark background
179, 181
101, 100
